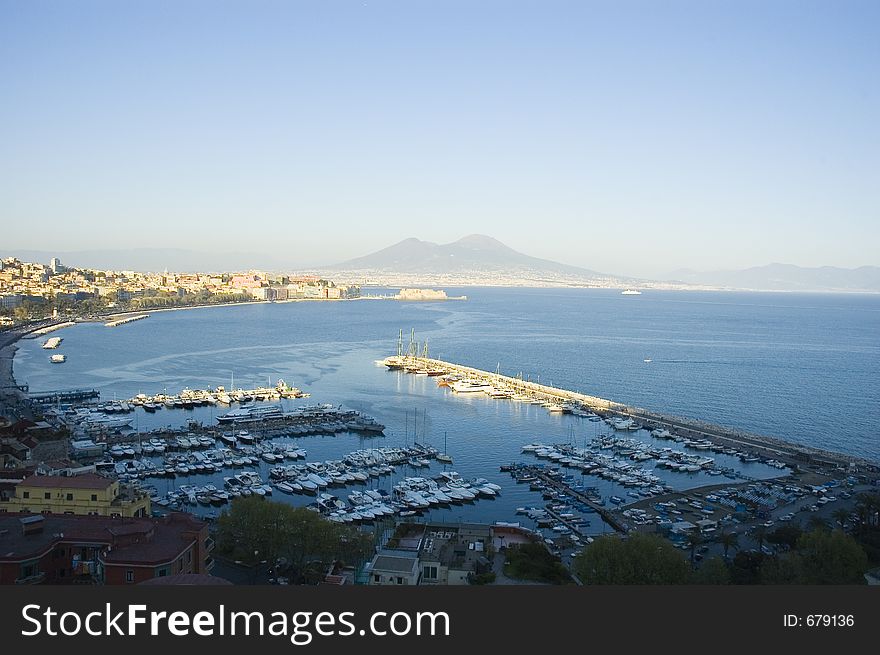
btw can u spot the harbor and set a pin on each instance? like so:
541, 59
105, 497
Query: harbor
465, 380
567, 467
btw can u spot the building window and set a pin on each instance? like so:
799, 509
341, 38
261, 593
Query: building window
69, 496
377, 578
25, 494
129, 576
94, 497
47, 495
162, 573
399, 580
430, 573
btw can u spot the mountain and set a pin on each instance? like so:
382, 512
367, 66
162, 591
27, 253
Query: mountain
785, 277
150, 259
476, 253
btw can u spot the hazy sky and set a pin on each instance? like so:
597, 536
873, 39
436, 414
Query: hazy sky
628, 137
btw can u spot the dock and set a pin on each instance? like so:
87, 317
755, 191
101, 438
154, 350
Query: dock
46, 330
64, 396
765, 445
128, 319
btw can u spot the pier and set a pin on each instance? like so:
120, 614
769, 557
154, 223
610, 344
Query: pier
128, 319
793, 454
607, 515
64, 396
46, 330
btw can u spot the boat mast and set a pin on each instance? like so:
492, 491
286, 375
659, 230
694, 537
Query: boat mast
400, 343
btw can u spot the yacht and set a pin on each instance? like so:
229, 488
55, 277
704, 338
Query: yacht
58, 359
630, 292
466, 386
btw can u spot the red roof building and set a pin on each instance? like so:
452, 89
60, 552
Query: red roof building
63, 549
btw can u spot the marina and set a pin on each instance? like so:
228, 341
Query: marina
478, 419
466, 380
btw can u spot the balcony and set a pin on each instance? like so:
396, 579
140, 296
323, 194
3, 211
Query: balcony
209, 544
37, 578
209, 564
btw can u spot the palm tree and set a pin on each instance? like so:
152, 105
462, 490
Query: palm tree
696, 539
728, 540
759, 534
841, 515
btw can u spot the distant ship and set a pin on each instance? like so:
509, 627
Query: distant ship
630, 292
58, 359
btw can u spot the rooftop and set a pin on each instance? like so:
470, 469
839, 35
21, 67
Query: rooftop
395, 561
85, 481
141, 540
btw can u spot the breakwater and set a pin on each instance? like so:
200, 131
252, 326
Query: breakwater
791, 453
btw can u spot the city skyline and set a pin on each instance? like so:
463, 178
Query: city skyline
631, 139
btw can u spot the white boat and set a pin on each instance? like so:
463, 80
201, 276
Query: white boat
52, 343
58, 359
630, 292
466, 386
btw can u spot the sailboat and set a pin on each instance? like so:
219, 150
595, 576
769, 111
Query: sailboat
444, 457
396, 362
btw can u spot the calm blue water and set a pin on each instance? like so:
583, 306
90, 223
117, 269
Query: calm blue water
801, 367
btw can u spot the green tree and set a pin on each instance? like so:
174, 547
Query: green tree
841, 516
695, 540
817, 523
728, 540
638, 559
785, 535
254, 530
746, 567
831, 557
713, 571
781, 570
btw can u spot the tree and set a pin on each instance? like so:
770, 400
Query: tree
638, 559
696, 538
746, 567
728, 540
785, 535
759, 534
817, 523
713, 571
831, 557
841, 515
255, 529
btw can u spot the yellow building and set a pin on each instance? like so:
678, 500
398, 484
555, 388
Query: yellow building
78, 494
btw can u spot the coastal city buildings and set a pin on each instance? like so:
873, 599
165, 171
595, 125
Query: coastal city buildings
35, 283
65, 549
442, 553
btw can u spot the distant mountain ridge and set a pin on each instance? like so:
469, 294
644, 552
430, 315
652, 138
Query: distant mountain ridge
473, 253
785, 277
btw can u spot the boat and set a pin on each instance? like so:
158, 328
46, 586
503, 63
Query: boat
444, 457
58, 359
630, 292
468, 386
52, 343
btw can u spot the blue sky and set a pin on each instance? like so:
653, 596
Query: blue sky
629, 137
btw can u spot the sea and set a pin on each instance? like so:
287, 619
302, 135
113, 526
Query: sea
801, 367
